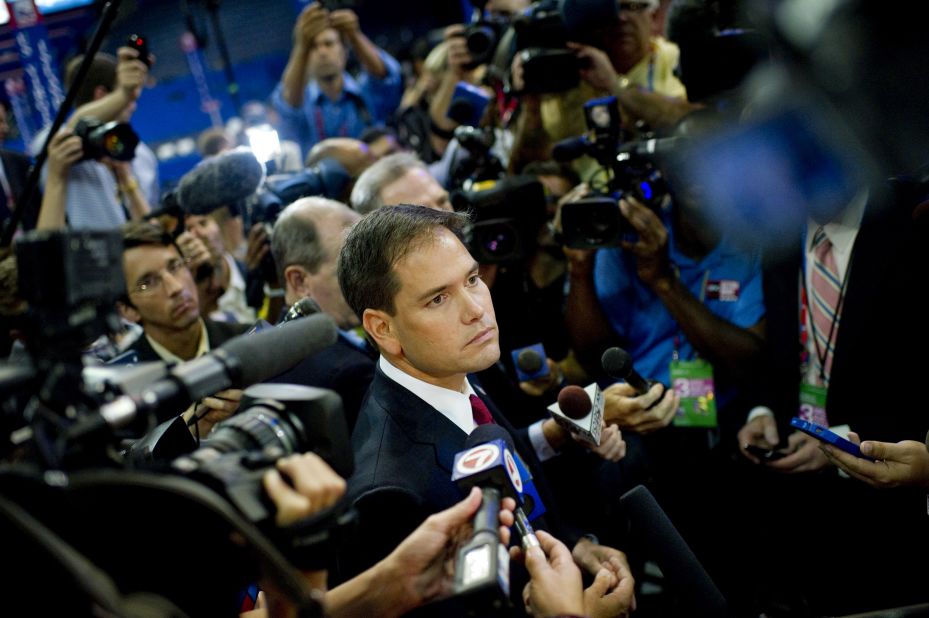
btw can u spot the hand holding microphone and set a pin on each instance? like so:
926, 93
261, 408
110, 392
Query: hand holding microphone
637, 404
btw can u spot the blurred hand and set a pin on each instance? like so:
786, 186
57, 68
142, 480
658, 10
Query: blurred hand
805, 455
424, 563
612, 592
762, 432
194, 251
219, 407
131, 73
612, 447
258, 246
905, 463
555, 587
345, 21
622, 407
313, 487
596, 68
312, 20
458, 55
517, 73
64, 150
651, 249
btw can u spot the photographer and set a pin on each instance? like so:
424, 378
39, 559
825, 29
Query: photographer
109, 92
316, 97
622, 58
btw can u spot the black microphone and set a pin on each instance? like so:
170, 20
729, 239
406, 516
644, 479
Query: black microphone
680, 567
302, 308
511, 483
240, 362
570, 149
219, 181
529, 361
618, 365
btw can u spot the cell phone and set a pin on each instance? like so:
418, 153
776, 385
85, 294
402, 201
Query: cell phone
140, 44
824, 435
765, 454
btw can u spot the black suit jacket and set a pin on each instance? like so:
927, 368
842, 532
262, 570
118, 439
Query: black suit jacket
16, 166
404, 450
341, 367
873, 386
218, 333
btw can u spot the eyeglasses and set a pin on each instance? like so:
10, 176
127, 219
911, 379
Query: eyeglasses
154, 281
634, 7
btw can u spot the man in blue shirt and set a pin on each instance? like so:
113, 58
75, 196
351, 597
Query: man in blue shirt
316, 97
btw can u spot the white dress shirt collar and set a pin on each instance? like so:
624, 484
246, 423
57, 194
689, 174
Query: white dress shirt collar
453, 405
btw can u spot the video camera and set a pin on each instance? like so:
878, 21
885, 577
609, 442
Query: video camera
542, 44
630, 170
116, 140
327, 178
482, 38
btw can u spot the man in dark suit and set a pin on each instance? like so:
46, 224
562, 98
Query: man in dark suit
14, 170
405, 271
161, 296
305, 244
861, 364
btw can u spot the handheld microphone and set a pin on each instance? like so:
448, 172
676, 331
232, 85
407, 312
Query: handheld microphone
683, 572
530, 362
219, 181
240, 362
482, 564
617, 363
300, 309
580, 411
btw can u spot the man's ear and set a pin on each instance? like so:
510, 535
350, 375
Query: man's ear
379, 326
128, 312
296, 281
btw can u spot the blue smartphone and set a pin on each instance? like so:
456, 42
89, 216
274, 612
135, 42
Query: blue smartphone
824, 435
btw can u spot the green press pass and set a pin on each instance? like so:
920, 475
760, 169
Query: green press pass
692, 380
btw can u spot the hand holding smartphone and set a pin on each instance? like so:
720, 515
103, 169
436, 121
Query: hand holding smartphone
765, 454
824, 435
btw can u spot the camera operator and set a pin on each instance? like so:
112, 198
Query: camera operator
162, 297
109, 92
316, 97
626, 60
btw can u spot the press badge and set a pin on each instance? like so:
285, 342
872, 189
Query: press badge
725, 290
693, 382
813, 404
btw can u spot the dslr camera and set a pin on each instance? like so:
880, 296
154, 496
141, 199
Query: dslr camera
116, 140
542, 43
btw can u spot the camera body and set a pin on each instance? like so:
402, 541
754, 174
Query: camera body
482, 38
116, 140
542, 44
506, 217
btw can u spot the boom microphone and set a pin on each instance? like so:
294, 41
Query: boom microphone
219, 181
240, 362
618, 365
677, 562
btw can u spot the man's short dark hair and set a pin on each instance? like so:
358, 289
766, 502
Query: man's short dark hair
145, 234
101, 72
380, 240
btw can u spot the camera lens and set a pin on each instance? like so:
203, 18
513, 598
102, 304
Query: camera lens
256, 429
481, 41
497, 239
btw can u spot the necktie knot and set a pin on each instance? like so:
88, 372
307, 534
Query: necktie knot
479, 411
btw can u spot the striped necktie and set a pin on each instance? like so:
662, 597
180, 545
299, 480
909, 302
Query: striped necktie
825, 295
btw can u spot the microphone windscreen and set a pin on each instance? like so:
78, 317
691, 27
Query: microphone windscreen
487, 433
273, 351
680, 567
219, 181
529, 361
616, 363
574, 402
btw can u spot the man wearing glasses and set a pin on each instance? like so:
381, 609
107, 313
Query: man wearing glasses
161, 296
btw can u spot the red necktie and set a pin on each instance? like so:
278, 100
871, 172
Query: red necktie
479, 411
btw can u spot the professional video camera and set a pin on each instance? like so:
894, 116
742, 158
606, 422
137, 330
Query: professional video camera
629, 169
116, 140
482, 38
542, 44
327, 178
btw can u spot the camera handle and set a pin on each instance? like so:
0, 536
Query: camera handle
110, 10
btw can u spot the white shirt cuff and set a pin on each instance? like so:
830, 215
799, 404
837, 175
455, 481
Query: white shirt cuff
540, 445
758, 411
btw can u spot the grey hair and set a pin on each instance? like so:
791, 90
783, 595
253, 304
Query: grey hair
295, 239
366, 196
